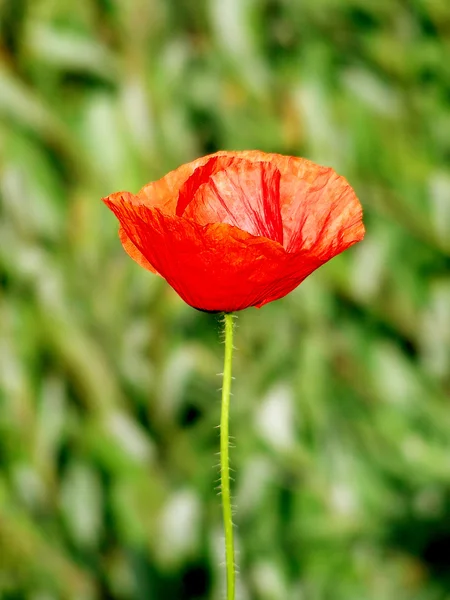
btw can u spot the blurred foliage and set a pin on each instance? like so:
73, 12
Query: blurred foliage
108, 385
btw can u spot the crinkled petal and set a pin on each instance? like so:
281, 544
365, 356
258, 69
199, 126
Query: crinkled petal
163, 193
239, 229
199, 177
245, 194
215, 267
173, 192
318, 208
321, 216
133, 252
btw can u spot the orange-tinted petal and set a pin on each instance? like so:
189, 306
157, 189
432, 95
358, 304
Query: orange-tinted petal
215, 267
130, 199
244, 194
199, 176
319, 209
177, 188
133, 252
209, 227
163, 193
320, 215
317, 206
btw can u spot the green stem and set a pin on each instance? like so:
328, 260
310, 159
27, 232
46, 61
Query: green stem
225, 459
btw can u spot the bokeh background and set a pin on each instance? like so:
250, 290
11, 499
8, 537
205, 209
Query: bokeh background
108, 382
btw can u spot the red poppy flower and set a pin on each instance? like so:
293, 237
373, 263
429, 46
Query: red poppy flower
238, 229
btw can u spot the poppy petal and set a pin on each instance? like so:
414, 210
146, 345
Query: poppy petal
215, 267
130, 199
200, 176
239, 229
317, 206
163, 193
322, 214
133, 252
245, 194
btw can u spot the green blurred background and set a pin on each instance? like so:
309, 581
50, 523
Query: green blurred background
108, 382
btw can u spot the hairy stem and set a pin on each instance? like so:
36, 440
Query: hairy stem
225, 458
